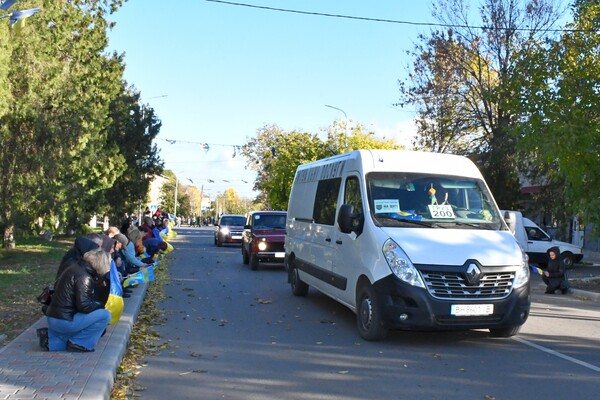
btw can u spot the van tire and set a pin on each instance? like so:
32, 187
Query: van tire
253, 262
505, 332
299, 287
368, 314
245, 256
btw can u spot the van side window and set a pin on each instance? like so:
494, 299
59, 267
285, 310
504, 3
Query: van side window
352, 194
326, 201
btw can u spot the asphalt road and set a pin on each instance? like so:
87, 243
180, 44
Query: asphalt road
232, 333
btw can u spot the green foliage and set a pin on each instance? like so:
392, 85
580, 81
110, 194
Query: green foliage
133, 128
275, 154
561, 116
66, 133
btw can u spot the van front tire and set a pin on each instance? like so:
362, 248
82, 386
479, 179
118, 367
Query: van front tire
368, 315
505, 332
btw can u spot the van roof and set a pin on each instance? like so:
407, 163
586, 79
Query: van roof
400, 160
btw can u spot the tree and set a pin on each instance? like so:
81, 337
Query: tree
275, 155
471, 112
132, 130
560, 123
53, 113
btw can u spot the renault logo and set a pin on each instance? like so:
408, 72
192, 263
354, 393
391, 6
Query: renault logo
473, 273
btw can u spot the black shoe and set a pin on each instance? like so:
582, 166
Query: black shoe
42, 333
549, 292
126, 295
566, 291
75, 348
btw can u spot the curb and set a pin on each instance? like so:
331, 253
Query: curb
103, 376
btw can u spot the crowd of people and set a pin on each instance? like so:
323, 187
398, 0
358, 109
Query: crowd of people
78, 312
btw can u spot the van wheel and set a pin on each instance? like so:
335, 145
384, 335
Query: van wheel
253, 262
368, 315
505, 332
567, 260
299, 288
245, 257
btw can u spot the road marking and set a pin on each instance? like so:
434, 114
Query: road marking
557, 354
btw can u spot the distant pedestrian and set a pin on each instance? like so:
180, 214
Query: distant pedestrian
554, 276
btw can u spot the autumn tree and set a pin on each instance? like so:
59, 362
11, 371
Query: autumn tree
464, 83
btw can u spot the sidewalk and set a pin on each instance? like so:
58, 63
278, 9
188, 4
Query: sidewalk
27, 372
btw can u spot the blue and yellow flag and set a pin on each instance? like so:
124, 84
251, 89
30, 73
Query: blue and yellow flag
115, 303
17, 18
6, 4
536, 270
145, 275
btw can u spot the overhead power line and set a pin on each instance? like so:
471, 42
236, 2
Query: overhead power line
389, 21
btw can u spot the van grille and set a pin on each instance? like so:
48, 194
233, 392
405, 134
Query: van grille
454, 285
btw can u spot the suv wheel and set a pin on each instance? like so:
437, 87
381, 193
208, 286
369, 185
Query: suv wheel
245, 257
253, 261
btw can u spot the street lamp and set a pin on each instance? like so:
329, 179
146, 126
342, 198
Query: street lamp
345, 127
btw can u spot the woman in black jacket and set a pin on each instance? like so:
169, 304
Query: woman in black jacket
76, 320
554, 276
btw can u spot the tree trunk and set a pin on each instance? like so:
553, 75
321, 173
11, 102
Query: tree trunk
8, 240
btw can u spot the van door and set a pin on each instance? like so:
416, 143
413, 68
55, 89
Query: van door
323, 239
349, 257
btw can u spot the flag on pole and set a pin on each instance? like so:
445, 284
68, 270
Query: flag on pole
17, 18
6, 4
115, 303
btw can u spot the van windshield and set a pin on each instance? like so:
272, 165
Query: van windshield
436, 201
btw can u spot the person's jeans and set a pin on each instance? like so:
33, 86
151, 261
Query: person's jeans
84, 330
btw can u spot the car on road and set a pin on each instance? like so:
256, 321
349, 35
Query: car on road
263, 238
228, 229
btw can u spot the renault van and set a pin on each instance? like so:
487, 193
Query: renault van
406, 240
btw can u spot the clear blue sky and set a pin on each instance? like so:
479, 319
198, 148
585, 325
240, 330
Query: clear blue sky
215, 73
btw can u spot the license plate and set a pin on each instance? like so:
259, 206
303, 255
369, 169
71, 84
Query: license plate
280, 255
471, 309
236, 237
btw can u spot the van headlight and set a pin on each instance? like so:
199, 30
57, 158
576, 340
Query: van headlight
400, 264
522, 274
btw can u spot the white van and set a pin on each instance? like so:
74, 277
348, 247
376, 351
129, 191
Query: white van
406, 240
536, 242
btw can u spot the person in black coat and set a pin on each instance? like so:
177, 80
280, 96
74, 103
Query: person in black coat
76, 320
554, 276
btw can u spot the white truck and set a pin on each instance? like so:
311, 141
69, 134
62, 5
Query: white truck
536, 242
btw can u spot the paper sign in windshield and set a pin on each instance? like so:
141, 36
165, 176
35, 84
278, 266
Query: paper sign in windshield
387, 206
441, 211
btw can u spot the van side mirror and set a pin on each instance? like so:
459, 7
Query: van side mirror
350, 221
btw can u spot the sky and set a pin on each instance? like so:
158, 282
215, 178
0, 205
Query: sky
215, 73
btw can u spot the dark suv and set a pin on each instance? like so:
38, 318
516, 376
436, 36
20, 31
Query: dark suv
264, 235
229, 229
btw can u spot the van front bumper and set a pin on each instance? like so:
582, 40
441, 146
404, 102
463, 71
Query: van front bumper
413, 308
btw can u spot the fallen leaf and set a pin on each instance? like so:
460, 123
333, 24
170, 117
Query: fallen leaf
343, 372
489, 397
